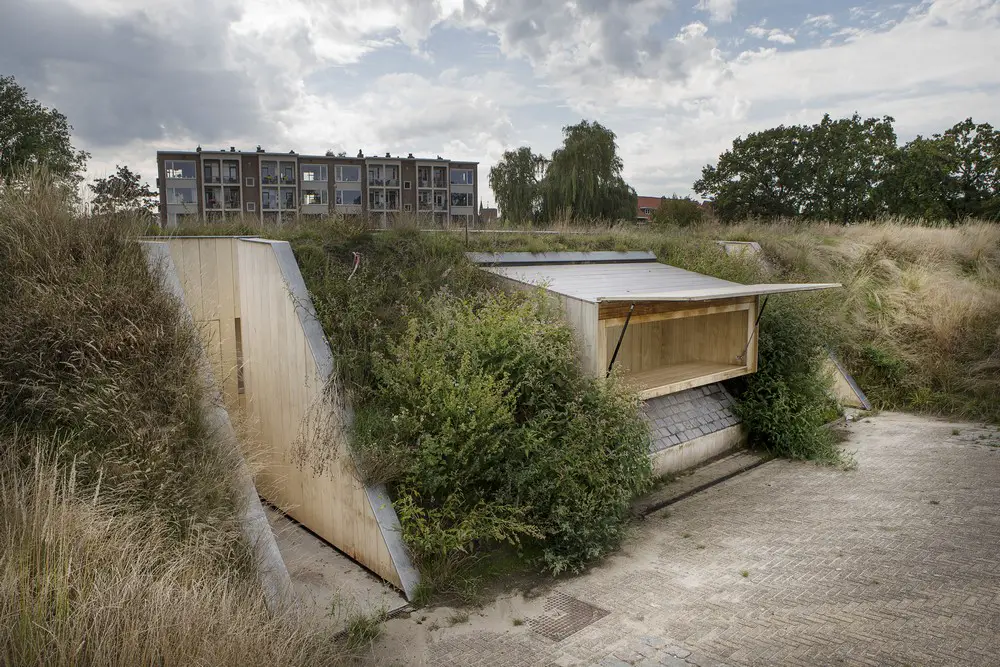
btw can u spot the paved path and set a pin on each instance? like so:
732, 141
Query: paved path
894, 563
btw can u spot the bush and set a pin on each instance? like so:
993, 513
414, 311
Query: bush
679, 211
787, 401
501, 435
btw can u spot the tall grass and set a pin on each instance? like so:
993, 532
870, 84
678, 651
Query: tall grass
121, 541
84, 581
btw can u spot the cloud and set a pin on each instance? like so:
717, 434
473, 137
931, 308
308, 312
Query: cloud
123, 75
720, 11
772, 35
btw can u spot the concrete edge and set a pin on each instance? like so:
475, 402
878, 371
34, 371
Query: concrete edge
689, 454
378, 496
862, 398
274, 578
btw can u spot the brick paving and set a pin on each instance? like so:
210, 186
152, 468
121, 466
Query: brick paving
894, 563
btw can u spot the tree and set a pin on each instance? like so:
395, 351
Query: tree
762, 176
847, 160
831, 171
515, 181
919, 182
32, 135
584, 178
680, 211
976, 152
123, 192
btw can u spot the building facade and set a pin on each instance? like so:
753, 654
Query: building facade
279, 187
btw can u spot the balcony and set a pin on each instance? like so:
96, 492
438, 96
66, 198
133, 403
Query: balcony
423, 183
440, 207
376, 206
441, 183
269, 205
288, 179
392, 182
269, 179
376, 182
212, 178
231, 180
213, 204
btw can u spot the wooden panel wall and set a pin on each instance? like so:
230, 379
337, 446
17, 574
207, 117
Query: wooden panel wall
207, 269
718, 338
309, 472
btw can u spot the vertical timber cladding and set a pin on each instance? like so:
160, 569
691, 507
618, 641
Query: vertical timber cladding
207, 270
309, 472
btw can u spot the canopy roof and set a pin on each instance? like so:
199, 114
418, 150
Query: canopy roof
637, 278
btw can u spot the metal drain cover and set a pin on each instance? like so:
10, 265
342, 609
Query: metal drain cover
563, 615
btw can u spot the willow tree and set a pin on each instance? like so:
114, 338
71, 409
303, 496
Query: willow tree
515, 181
584, 179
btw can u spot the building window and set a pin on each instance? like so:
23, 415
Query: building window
376, 200
249, 181
251, 207
407, 207
391, 173
406, 185
288, 172
424, 200
287, 199
461, 177
347, 173
179, 169
423, 177
269, 199
392, 200
231, 171
461, 199
314, 196
440, 177
440, 201
182, 196
269, 172
314, 173
232, 197
213, 172
213, 198
375, 175
348, 197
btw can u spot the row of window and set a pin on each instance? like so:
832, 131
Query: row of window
272, 198
280, 172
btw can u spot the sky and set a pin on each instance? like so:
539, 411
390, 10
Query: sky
676, 80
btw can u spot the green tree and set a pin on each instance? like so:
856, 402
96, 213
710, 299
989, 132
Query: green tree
831, 170
976, 152
846, 163
680, 211
123, 192
33, 135
515, 181
762, 176
919, 183
584, 178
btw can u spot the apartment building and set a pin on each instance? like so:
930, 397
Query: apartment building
278, 187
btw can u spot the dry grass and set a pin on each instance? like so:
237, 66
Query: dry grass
120, 542
84, 582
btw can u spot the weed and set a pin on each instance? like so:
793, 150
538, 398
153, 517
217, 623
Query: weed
685, 535
956, 431
517, 622
363, 629
457, 617
744, 573
700, 546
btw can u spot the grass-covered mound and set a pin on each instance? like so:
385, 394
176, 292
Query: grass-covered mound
470, 402
120, 542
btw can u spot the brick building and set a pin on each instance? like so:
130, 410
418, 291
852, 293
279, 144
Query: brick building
277, 187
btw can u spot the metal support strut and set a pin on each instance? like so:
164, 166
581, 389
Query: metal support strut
620, 339
746, 347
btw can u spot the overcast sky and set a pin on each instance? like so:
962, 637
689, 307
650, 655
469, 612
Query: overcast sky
676, 80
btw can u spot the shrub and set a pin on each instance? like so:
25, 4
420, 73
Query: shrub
787, 401
679, 211
502, 435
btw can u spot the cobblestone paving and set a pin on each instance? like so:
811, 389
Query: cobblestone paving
894, 563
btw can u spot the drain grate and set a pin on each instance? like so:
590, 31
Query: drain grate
563, 615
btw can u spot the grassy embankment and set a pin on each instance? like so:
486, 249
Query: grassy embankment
917, 322
120, 542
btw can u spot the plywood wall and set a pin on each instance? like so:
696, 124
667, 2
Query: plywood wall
207, 269
309, 472
718, 338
